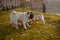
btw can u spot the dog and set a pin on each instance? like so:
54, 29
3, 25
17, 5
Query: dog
23, 17
39, 18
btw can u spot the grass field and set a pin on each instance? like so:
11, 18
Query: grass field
38, 31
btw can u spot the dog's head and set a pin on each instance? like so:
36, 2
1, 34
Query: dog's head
31, 15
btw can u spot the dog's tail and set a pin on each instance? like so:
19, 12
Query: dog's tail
13, 12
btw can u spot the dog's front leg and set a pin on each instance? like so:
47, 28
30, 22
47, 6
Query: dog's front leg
28, 24
24, 24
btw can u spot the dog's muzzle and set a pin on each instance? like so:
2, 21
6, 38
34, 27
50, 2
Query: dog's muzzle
31, 15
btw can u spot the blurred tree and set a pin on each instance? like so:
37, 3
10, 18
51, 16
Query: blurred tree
0, 5
22, 3
44, 8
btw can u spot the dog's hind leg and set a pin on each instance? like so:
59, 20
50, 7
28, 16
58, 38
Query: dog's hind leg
16, 24
24, 24
11, 24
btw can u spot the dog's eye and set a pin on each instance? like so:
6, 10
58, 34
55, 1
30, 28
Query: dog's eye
27, 13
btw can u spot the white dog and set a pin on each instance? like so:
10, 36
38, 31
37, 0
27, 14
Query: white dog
23, 17
39, 18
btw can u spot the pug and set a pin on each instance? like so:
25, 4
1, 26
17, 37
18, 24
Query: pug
22, 17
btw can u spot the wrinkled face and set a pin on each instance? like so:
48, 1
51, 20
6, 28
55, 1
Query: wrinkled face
31, 15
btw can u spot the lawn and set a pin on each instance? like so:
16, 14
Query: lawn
38, 31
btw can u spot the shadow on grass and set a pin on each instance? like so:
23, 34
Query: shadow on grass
6, 30
58, 27
56, 23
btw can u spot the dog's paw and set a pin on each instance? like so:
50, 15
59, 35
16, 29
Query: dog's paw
25, 28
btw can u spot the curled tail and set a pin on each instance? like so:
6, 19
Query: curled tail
13, 12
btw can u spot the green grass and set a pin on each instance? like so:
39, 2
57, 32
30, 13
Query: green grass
38, 31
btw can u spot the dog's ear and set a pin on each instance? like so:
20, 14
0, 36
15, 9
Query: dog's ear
27, 13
